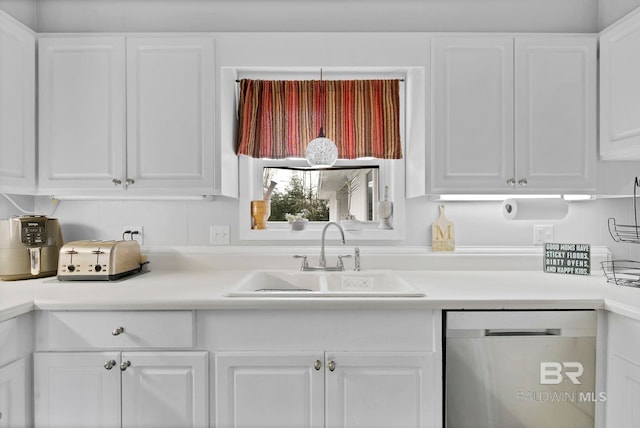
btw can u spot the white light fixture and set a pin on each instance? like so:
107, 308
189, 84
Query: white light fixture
321, 151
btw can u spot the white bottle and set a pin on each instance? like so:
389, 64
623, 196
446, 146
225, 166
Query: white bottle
385, 211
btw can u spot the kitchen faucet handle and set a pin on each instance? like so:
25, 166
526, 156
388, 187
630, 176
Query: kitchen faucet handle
341, 262
305, 264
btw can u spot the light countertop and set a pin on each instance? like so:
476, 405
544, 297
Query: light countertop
170, 290
186, 287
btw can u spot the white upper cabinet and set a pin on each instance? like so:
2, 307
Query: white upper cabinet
513, 115
17, 107
134, 114
620, 90
170, 99
82, 113
555, 126
472, 126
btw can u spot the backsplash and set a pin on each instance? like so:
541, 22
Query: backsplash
186, 223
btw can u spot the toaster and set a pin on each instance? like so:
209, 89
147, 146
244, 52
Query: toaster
99, 260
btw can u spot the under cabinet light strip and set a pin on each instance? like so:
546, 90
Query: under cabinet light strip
502, 197
134, 198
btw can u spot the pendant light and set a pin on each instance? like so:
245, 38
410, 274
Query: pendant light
321, 151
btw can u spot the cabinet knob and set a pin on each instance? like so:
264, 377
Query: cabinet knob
116, 182
118, 331
125, 365
511, 182
523, 182
331, 365
109, 364
317, 365
130, 181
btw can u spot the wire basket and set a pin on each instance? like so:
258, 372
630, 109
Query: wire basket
622, 272
623, 232
627, 233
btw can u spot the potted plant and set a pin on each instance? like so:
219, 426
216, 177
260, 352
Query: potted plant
350, 222
298, 221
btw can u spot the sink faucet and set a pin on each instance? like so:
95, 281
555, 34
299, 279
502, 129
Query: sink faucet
322, 266
323, 258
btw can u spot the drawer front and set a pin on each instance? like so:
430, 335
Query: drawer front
116, 330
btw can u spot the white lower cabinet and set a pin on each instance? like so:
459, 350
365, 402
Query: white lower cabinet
323, 368
623, 372
112, 369
121, 389
13, 395
324, 389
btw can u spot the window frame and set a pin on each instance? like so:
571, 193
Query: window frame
391, 171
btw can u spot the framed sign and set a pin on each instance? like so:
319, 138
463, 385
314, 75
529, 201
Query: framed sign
572, 259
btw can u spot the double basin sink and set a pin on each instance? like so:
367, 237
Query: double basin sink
283, 283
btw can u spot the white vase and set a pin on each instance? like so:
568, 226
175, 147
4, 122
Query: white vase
385, 211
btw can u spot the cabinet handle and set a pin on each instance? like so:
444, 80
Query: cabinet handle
0, 416
109, 364
116, 182
511, 182
125, 365
118, 331
331, 365
317, 365
130, 181
523, 182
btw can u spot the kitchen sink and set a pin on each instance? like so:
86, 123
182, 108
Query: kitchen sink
282, 283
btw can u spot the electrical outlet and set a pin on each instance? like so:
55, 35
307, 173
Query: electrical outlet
135, 233
219, 235
542, 233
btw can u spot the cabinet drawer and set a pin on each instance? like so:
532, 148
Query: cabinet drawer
115, 330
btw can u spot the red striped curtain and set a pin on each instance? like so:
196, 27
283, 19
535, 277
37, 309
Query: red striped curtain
278, 118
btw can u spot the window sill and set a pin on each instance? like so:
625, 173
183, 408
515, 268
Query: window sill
282, 232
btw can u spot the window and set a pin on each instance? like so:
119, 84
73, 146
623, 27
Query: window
330, 194
372, 174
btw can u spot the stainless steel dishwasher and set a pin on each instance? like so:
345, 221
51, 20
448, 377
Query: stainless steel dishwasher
522, 369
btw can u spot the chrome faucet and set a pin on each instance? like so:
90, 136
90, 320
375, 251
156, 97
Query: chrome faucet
323, 258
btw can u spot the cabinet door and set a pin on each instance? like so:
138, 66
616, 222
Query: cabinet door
269, 390
17, 107
75, 389
170, 99
620, 90
379, 390
623, 393
623, 372
472, 111
13, 395
82, 113
165, 389
555, 113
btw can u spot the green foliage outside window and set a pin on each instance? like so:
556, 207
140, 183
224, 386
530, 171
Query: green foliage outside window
296, 198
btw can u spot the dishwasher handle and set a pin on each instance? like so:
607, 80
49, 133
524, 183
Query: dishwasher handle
522, 332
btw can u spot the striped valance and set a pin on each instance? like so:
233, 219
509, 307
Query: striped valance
278, 118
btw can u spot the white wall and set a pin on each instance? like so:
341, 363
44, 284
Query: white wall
612, 10
318, 15
8, 210
23, 10
186, 223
